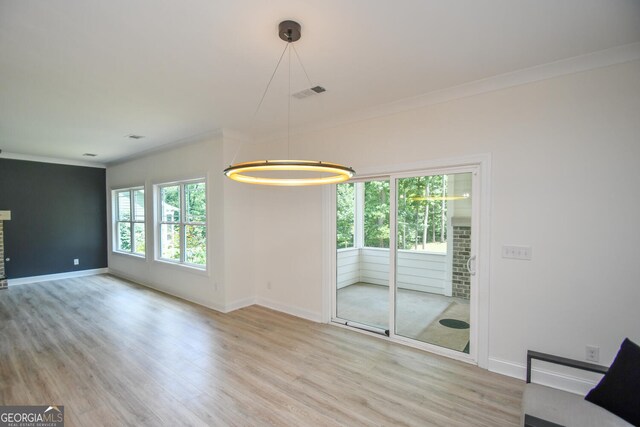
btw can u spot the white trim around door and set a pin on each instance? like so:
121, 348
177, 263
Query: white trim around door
480, 166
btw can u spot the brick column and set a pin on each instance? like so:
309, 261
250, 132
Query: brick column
461, 280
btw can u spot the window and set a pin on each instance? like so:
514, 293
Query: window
346, 215
182, 223
129, 229
422, 211
376, 214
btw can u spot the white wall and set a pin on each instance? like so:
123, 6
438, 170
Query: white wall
288, 251
239, 236
565, 180
228, 282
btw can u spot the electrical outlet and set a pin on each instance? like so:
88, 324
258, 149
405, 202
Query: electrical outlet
76, 261
593, 353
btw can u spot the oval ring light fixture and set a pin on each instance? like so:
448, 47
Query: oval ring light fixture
242, 172
319, 172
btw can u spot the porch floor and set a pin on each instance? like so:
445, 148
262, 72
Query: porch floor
417, 314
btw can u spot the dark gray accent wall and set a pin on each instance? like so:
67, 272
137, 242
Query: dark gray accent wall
58, 213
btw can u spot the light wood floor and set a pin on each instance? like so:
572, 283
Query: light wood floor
115, 353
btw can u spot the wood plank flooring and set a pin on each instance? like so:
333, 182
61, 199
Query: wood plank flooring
115, 353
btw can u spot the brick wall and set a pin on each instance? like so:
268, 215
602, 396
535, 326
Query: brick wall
461, 286
3, 281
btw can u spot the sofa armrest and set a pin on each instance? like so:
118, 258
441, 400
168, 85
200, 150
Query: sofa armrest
531, 421
578, 364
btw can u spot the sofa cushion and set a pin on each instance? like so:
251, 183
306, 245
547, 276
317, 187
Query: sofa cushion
619, 390
567, 409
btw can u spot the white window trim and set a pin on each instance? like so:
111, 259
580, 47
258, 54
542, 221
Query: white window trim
157, 188
115, 215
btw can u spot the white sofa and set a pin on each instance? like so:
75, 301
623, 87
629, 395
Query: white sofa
544, 406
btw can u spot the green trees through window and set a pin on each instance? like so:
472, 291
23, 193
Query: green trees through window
195, 227
130, 219
376, 214
422, 213
183, 223
346, 208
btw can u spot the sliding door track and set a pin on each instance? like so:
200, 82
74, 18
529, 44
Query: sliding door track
364, 327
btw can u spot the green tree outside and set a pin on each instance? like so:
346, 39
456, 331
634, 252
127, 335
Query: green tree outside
345, 221
195, 217
422, 213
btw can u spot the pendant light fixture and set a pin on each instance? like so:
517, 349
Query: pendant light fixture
288, 172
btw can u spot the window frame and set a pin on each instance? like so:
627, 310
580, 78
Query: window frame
182, 223
115, 242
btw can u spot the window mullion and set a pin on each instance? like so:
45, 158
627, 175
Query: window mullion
132, 249
183, 233
158, 218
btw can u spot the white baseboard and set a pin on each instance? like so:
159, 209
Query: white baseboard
273, 305
294, 311
238, 304
121, 275
57, 276
559, 380
234, 305
509, 369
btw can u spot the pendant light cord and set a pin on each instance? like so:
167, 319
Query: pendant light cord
264, 94
289, 109
270, 80
302, 66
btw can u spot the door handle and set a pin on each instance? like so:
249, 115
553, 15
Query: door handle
471, 272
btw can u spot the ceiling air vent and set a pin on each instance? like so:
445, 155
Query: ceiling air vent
309, 92
89, 155
132, 136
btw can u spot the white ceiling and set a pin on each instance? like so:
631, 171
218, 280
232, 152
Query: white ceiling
77, 76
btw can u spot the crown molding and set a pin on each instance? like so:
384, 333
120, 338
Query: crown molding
54, 160
600, 59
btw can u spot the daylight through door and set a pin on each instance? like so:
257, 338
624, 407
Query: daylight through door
362, 258
434, 259
405, 259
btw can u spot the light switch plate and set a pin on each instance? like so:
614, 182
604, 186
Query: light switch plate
517, 252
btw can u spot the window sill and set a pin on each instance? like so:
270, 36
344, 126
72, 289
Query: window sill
184, 267
131, 255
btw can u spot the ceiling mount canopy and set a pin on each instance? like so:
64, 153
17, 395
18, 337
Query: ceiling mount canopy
289, 31
288, 172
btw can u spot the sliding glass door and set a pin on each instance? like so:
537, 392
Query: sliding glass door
433, 259
405, 258
362, 258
